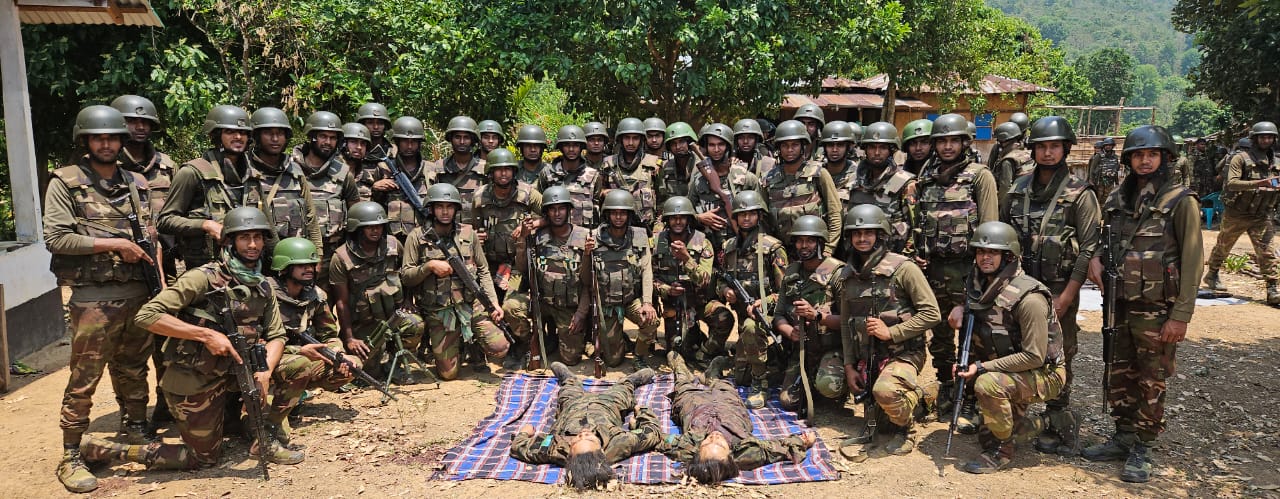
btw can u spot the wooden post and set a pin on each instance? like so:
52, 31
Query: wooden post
1119, 112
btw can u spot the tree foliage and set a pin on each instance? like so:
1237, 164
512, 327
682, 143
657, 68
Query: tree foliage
1110, 73
1199, 117
1238, 44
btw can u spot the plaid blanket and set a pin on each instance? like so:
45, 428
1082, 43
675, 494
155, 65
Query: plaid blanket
529, 399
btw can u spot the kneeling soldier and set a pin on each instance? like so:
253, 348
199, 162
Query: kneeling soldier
624, 279
803, 303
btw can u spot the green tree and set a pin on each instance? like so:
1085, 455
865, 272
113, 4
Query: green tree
1238, 44
1110, 73
1199, 117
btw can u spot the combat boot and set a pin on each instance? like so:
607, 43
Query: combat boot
134, 432
926, 410
970, 419
641, 377
479, 362
994, 458
561, 371
715, 370
73, 473
278, 453
758, 393
1114, 449
1062, 437
1137, 469
946, 399
100, 451
517, 357
902, 442
678, 366
1212, 281
1273, 292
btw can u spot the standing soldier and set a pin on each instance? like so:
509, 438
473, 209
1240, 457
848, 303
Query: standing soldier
886, 307
408, 134
532, 142
491, 136
92, 209
804, 300
1057, 217
280, 187
141, 156
1182, 164
733, 176
1250, 188
955, 196
575, 174
1014, 160
813, 119
798, 187
837, 147
972, 153
748, 142
355, 148
655, 138
462, 169
1016, 345
673, 178
757, 260
375, 117
633, 170
917, 144
1104, 168
682, 261
1161, 221
1202, 161
880, 182
332, 184
623, 273
1019, 120
597, 144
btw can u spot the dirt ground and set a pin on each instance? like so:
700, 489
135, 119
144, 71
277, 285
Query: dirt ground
1223, 435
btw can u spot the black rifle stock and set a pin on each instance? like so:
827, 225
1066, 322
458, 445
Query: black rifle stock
962, 365
254, 360
150, 271
469, 282
336, 359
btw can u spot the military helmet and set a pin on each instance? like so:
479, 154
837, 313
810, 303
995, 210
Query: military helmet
462, 124
136, 106
829, 381
293, 251
680, 130
748, 126
570, 134
1148, 137
1108, 141
556, 194
443, 192
365, 213
655, 124
866, 216
718, 130
971, 128
1243, 143
748, 201
1177, 139
407, 127
226, 116
373, 111
1051, 128
949, 125
677, 205
322, 121
270, 117
791, 130
531, 134
1021, 119
98, 119
355, 130
595, 128
1007, 131
242, 219
996, 235
836, 131
618, 199
810, 225
628, 126
857, 131
881, 132
490, 126
1263, 128
810, 111
499, 157
918, 129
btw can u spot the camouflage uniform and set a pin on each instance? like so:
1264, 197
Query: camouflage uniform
1182, 170
467, 179
673, 178
1105, 172
376, 296
295, 373
1012, 164
624, 280
1248, 210
499, 218
601, 412
285, 196
760, 163
695, 275
563, 290
757, 260
1203, 173
583, 184
205, 188
365, 173
842, 175
808, 191
403, 218
893, 190
333, 190
158, 169
638, 178
736, 180
530, 177
821, 346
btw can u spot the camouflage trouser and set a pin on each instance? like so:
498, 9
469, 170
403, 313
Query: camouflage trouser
199, 419
826, 377
1260, 230
448, 328
668, 308
1070, 346
753, 345
620, 397
105, 336
719, 321
690, 396
294, 375
946, 277
1141, 364
614, 342
1004, 396
410, 327
516, 309
897, 391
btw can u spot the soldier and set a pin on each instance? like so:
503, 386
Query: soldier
532, 142
855, 150
837, 145
368, 296
974, 155
715, 441
408, 134
1016, 345
1014, 160
798, 187
885, 307
749, 147
141, 156
632, 170
1181, 163
1202, 161
491, 136
673, 178
880, 182
597, 144
356, 141
206, 188
332, 183
655, 138
463, 169
1104, 168
375, 117
682, 261
452, 312
1057, 218
918, 145
89, 232
813, 119
588, 435
198, 380
757, 260
1251, 194
575, 174
623, 275
280, 188
713, 215
955, 196
803, 301
1019, 123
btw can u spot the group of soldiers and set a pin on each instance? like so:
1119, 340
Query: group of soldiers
837, 268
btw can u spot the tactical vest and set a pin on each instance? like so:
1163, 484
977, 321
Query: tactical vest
95, 213
500, 217
1253, 201
189, 359
740, 261
367, 273
668, 270
888, 193
467, 179
738, 179
761, 165
365, 176
557, 267
403, 218
326, 197
287, 192
1018, 161
875, 295
581, 185
436, 293
1149, 267
950, 213
524, 176
219, 198
1107, 171
673, 178
310, 303
639, 182
812, 288
1050, 257
618, 271
996, 332
844, 181
159, 174
791, 197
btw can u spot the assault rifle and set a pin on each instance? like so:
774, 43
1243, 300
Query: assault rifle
254, 360
713, 182
775, 349
597, 315
535, 306
1110, 288
469, 282
961, 366
336, 359
151, 272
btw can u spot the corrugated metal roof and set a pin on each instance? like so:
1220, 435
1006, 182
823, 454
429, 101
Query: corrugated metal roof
846, 101
114, 12
990, 84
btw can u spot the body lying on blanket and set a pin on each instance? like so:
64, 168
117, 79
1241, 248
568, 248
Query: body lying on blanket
716, 440
588, 435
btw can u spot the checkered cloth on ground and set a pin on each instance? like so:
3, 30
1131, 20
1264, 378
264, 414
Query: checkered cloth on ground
529, 399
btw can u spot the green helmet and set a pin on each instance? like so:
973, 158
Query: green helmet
242, 219
618, 199
270, 117
655, 124
996, 235
293, 251
1177, 139
881, 132
1108, 141
1051, 128
595, 128
365, 213
949, 125
490, 126
407, 127
747, 125
748, 201
829, 380
1020, 119
857, 131
556, 194
810, 111
356, 131
791, 130
809, 225
499, 157
570, 134
136, 106
677, 205
226, 116
462, 124
1007, 131
443, 192
866, 216
680, 130
373, 111
918, 129
94, 120
1148, 137
628, 126
322, 121
971, 128
718, 130
531, 134
836, 131
1263, 128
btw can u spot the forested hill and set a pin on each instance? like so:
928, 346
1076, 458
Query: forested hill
1140, 27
